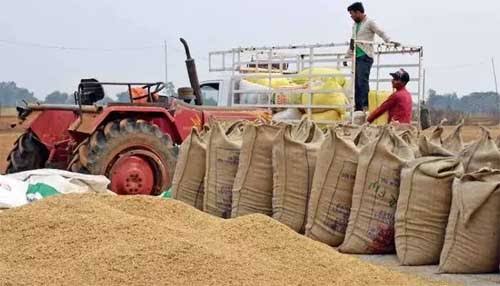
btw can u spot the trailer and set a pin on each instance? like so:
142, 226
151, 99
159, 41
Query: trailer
234, 68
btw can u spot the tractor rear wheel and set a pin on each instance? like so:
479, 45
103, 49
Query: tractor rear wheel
135, 155
27, 154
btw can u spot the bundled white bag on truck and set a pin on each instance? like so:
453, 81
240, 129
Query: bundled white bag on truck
288, 114
254, 93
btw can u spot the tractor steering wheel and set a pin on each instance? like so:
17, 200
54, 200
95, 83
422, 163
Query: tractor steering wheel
159, 87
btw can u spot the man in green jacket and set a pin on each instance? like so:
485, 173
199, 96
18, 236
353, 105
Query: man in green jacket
364, 29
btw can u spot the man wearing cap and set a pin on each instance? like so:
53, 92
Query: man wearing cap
399, 104
364, 29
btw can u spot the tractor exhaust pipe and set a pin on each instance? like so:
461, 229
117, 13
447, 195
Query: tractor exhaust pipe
193, 75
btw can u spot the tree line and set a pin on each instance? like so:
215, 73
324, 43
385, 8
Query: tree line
12, 95
482, 106
476, 103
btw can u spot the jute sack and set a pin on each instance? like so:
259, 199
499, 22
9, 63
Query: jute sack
498, 141
364, 136
294, 163
454, 142
473, 234
376, 189
361, 139
302, 131
437, 135
428, 147
253, 185
331, 194
188, 181
423, 208
360, 134
222, 157
373, 131
347, 131
481, 154
403, 127
411, 139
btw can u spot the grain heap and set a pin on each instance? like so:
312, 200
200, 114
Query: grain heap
110, 240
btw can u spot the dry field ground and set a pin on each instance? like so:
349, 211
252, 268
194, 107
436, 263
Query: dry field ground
8, 136
7, 139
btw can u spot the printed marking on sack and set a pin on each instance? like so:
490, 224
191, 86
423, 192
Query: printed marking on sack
340, 220
228, 156
382, 236
347, 175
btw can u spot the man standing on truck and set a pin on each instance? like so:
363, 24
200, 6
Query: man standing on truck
364, 29
399, 104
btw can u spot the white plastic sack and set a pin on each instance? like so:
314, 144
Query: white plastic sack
288, 114
253, 98
14, 187
12, 192
63, 181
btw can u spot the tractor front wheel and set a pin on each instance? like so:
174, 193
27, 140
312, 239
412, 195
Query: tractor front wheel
135, 155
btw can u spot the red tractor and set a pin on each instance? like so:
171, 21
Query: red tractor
133, 144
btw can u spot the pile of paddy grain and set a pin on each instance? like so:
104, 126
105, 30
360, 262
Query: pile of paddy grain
116, 240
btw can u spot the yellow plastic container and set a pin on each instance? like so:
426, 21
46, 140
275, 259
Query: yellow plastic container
321, 74
375, 99
275, 82
330, 115
332, 98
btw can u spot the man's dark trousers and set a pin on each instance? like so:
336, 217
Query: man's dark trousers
362, 87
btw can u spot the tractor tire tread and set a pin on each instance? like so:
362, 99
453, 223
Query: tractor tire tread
88, 159
28, 153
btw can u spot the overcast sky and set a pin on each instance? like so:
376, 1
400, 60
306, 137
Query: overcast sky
459, 37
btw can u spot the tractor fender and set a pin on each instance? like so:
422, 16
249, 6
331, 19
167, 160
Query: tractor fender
88, 123
50, 126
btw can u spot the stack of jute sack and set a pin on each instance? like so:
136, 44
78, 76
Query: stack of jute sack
367, 190
444, 208
439, 205
356, 188
249, 168
449, 205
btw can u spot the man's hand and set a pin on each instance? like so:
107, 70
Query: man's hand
345, 64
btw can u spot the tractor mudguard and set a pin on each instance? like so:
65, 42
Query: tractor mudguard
88, 123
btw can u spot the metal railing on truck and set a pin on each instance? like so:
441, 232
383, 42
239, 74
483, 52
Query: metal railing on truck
289, 62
